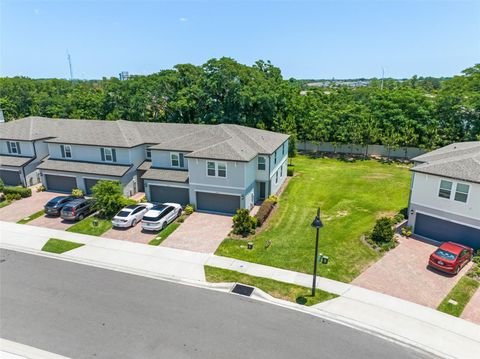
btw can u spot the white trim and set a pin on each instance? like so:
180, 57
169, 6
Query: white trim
105, 154
65, 151
171, 159
211, 185
9, 169
443, 218
276, 168
61, 174
216, 169
265, 163
440, 187
215, 192
165, 185
468, 193
13, 144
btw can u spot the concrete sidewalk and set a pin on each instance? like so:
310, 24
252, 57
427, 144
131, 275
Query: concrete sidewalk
378, 313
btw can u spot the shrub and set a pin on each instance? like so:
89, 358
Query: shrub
128, 202
22, 191
407, 231
2, 185
41, 188
189, 209
77, 192
12, 197
264, 211
272, 198
243, 223
182, 218
399, 217
109, 198
290, 171
143, 199
383, 231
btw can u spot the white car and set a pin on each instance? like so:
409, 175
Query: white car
160, 216
131, 215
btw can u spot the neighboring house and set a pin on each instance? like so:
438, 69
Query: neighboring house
217, 168
445, 194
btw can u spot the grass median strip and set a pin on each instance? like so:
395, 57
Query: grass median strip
4, 203
460, 294
280, 290
31, 217
87, 226
164, 234
55, 245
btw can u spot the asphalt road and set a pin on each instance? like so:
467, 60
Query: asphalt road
87, 312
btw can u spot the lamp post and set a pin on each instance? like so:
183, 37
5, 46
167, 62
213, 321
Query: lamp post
317, 223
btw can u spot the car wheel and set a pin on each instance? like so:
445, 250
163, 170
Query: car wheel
457, 270
164, 225
81, 217
179, 213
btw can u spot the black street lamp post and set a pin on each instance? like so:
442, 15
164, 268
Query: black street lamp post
317, 223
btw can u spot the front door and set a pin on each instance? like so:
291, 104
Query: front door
262, 190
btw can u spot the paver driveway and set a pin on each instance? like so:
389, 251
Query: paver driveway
132, 234
26, 206
201, 232
472, 310
403, 273
52, 222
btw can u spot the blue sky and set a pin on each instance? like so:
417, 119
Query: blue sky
316, 39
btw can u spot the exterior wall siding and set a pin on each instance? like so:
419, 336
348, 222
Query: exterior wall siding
26, 147
197, 171
161, 159
90, 153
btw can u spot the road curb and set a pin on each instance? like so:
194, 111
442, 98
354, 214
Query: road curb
18, 350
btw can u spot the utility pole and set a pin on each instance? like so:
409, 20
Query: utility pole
70, 66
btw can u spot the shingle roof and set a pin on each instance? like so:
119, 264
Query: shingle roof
166, 175
225, 141
84, 167
14, 161
458, 160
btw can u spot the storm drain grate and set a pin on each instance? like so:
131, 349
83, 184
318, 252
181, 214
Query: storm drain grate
243, 290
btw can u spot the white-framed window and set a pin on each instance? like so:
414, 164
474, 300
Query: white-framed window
276, 177
216, 169
461, 192
283, 149
174, 159
148, 153
262, 163
445, 189
281, 171
13, 147
66, 151
108, 154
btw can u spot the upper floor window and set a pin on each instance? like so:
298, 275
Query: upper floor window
275, 158
216, 169
276, 177
174, 159
66, 151
281, 171
14, 147
148, 153
445, 189
262, 163
283, 149
108, 154
461, 192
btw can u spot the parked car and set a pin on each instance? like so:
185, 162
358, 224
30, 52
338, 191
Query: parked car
450, 257
78, 209
55, 205
131, 215
158, 217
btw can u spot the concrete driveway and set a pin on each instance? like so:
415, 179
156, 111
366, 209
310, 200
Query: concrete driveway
403, 273
201, 232
26, 206
132, 234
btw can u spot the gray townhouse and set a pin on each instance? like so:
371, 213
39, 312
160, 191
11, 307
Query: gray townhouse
218, 168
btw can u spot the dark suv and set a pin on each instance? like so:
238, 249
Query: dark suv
55, 205
77, 209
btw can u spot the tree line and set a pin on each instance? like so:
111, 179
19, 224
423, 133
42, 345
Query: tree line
418, 112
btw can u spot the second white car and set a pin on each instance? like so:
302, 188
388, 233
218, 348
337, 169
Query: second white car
130, 215
160, 216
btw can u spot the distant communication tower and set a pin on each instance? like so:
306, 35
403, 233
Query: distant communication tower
70, 65
123, 75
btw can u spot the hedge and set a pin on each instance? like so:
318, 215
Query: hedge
22, 191
265, 209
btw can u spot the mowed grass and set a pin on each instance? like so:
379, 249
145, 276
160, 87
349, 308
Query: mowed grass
351, 195
55, 245
86, 226
280, 290
4, 203
31, 217
461, 293
164, 234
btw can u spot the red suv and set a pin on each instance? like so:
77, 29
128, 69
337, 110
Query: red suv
450, 257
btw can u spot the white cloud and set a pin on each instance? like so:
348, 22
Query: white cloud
183, 19
36, 11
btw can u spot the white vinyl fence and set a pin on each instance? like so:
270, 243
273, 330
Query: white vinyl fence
373, 150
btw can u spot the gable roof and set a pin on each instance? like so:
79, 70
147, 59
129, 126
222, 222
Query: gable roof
459, 160
225, 141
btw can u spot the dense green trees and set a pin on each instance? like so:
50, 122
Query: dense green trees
424, 112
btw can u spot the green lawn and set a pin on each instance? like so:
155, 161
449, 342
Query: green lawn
351, 195
461, 293
4, 203
59, 246
164, 234
280, 290
31, 217
86, 226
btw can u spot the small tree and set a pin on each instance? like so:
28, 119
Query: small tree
108, 197
383, 231
243, 223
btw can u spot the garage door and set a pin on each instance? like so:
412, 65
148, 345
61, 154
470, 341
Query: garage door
60, 183
215, 202
162, 194
11, 178
89, 183
444, 231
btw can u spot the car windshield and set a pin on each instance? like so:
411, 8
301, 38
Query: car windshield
123, 214
55, 200
445, 254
